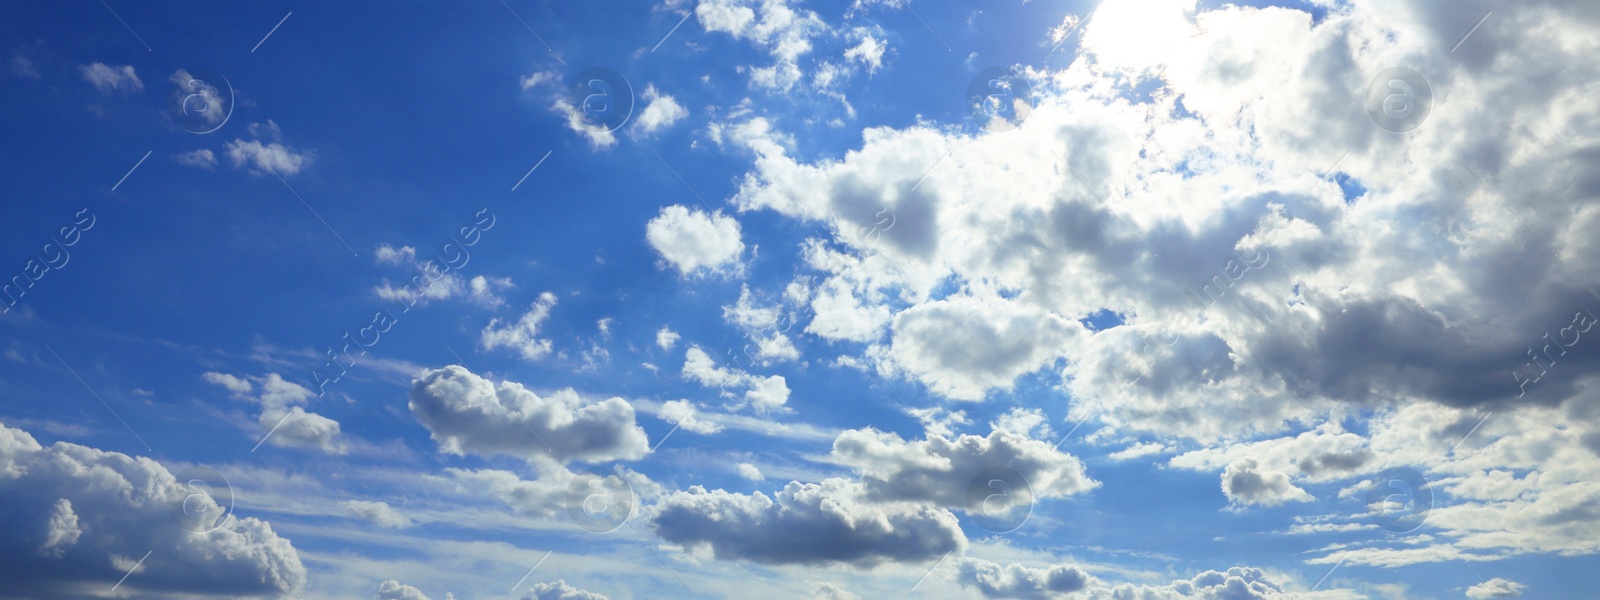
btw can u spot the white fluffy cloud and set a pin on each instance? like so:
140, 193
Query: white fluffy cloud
666, 338
682, 413
773, 25
1018, 581
466, 413
1495, 588
110, 79
270, 157
283, 419
559, 590
1245, 482
394, 590
75, 514
805, 524
523, 335
379, 513
763, 394
660, 112
694, 241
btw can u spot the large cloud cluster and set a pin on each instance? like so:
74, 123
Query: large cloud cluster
79, 519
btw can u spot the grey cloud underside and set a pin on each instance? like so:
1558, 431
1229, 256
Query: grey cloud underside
122, 509
466, 413
805, 524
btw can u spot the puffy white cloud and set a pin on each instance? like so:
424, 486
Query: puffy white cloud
763, 394
694, 241
822, 590
466, 413
1237, 583
379, 513
805, 524
749, 471
559, 590
869, 53
666, 338
283, 419
1019, 581
600, 136
965, 346
547, 496
660, 112
271, 157
523, 335
1246, 482
394, 590
682, 413
773, 25
1495, 588
941, 470
110, 79
71, 510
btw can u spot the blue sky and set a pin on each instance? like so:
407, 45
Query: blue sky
804, 310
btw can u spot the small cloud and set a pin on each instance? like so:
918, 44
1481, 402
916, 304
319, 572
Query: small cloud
660, 112
666, 338
202, 158
537, 79
379, 513
22, 67
110, 79
749, 471
1495, 588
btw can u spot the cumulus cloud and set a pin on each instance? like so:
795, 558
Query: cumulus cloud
559, 590
693, 241
284, 420
523, 335
271, 157
822, 590
465, 413
394, 590
1245, 482
1019, 581
763, 394
941, 470
775, 26
660, 112
749, 471
379, 513
805, 524
71, 510
1495, 588
110, 79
